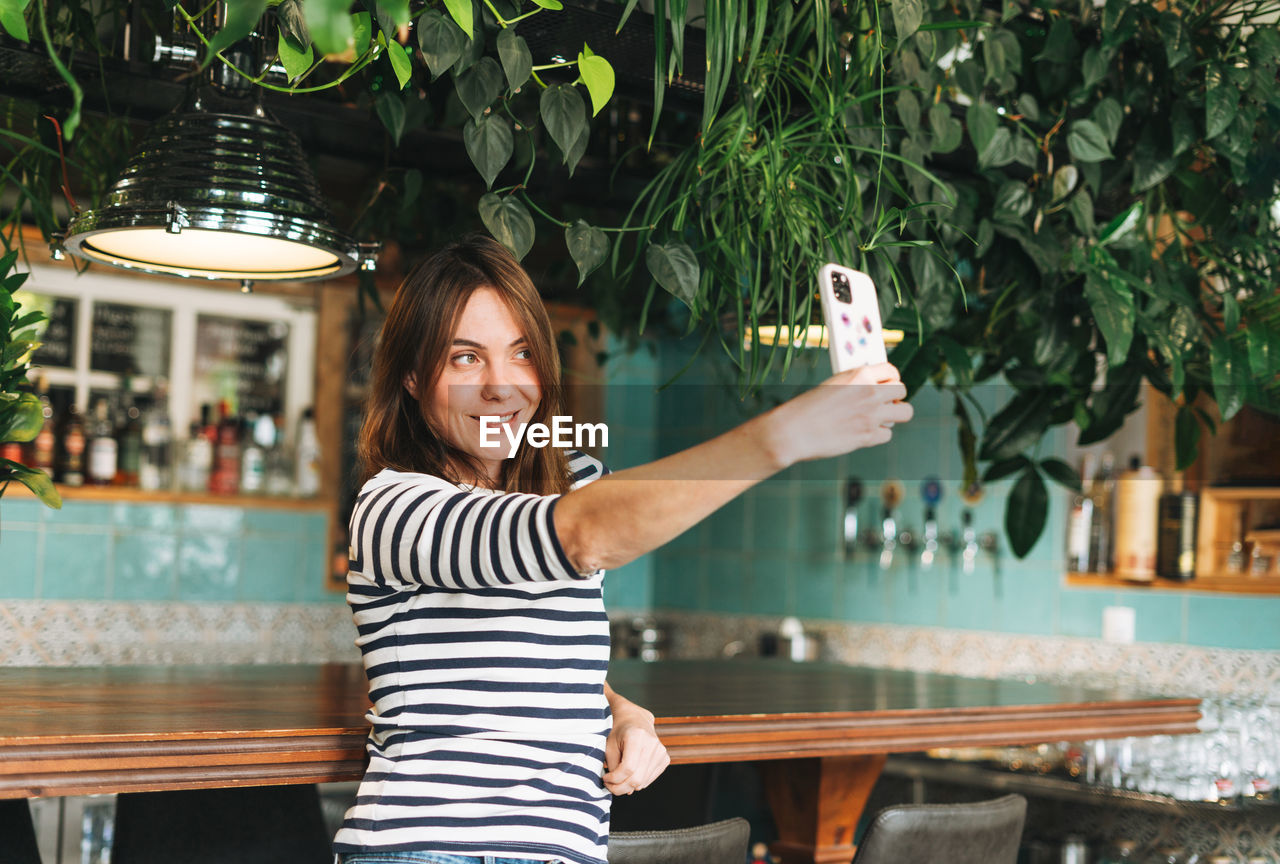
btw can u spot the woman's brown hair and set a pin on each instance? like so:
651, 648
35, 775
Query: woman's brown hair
415, 340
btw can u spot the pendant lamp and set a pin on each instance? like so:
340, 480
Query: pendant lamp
213, 193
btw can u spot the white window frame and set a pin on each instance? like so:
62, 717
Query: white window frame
185, 301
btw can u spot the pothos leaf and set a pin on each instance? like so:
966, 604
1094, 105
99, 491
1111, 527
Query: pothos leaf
597, 75
489, 144
1186, 437
588, 246
1087, 142
508, 221
329, 24
399, 59
907, 15
564, 114
461, 13
1113, 310
394, 12
295, 62
293, 22
12, 18
441, 41
242, 17
1062, 473
479, 86
674, 266
1221, 102
362, 32
1025, 512
391, 112
517, 62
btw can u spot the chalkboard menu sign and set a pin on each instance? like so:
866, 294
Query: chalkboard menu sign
58, 346
242, 361
130, 340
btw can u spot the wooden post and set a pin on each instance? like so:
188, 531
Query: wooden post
817, 803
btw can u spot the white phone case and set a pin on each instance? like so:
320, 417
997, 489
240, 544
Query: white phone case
852, 316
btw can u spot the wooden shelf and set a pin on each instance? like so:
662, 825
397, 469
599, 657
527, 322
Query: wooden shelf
1243, 493
1208, 584
140, 496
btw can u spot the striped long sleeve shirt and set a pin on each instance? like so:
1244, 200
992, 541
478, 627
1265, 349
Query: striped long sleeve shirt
486, 656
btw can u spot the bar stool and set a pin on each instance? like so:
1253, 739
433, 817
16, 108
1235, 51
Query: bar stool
723, 842
985, 832
248, 825
17, 833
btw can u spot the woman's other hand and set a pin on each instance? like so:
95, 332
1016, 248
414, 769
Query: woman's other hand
634, 756
850, 410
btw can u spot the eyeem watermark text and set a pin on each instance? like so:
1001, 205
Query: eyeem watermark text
562, 433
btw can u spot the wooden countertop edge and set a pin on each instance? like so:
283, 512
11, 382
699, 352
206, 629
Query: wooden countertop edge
766, 725
80, 767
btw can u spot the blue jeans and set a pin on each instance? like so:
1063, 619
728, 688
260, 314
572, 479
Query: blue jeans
426, 858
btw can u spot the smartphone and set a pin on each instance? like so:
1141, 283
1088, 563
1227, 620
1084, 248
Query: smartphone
852, 315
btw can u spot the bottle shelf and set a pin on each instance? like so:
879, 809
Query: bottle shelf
142, 496
1222, 583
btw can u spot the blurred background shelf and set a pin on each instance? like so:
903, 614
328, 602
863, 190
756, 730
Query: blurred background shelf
1224, 584
140, 496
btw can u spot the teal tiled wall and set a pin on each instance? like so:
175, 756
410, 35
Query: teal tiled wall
777, 549
631, 413
129, 551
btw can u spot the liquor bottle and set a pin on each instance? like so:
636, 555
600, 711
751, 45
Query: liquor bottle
197, 457
1137, 520
1101, 528
1179, 517
252, 457
103, 449
155, 468
44, 447
278, 466
129, 437
1080, 519
225, 477
14, 452
307, 481
71, 468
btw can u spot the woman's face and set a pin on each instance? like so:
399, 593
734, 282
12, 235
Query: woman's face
488, 372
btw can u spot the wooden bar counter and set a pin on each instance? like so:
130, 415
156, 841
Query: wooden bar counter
823, 729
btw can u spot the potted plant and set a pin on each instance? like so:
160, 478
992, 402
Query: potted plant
21, 416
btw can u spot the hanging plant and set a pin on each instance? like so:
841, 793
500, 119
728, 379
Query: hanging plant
1115, 221
21, 414
1049, 196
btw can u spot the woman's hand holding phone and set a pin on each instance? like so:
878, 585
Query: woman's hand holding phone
850, 410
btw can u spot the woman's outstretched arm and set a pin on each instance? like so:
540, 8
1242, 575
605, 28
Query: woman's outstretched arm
620, 517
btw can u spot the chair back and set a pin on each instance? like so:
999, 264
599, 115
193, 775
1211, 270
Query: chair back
17, 833
985, 832
722, 842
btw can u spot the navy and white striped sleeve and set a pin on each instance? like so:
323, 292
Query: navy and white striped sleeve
410, 534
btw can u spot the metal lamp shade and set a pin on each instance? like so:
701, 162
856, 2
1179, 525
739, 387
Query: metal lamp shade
216, 196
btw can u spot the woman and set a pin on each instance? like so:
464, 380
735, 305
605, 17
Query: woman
475, 579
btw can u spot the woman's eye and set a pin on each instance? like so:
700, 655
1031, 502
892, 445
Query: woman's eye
467, 359
524, 354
